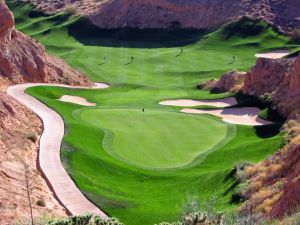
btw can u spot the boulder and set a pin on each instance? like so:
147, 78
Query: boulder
231, 81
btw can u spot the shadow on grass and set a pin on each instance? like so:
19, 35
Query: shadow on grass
268, 131
246, 27
88, 34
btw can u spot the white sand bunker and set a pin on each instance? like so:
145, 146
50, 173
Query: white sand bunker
278, 54
243, 116
100, 86
76, 100
225, 102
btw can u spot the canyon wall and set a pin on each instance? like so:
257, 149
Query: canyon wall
23, 59
163, 14
200, 14
280, 80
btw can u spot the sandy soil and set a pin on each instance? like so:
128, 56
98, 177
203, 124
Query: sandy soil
76, 100
189, 103
243, 116
273, 55
49, 162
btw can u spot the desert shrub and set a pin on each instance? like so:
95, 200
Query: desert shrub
207, 85
41, 202
266, 98
190, 205
197, 218
239, 194
70, 9
264, 114
32, 136
240, 173
295, 34
85, 220
239, 168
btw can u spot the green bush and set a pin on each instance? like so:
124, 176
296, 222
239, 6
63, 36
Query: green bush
264, 114
70, 9
296, 35
266, 98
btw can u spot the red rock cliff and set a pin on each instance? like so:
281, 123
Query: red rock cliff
199, 14
279, 78
23, 59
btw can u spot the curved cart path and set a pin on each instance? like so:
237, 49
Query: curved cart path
49, 152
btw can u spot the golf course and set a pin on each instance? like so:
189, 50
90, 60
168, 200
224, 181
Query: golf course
137, 160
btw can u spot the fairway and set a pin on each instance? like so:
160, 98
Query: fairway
156, 139
143, 167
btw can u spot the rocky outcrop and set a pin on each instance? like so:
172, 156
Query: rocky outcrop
7, 24
266, 76
23, 59
274, 184
278, 78
231, 81
290, 178
200, 14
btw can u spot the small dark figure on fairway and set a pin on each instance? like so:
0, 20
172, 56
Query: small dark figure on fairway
131, 61
143, 110
104, 61
233, 60
181, 52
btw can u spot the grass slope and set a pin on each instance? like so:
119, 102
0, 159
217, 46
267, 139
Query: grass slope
129, 191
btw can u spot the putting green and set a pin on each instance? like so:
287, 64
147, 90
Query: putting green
155, 139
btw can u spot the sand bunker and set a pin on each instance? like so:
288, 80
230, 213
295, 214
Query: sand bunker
76, 100
100, 86
243, 116
273, 55
225, 102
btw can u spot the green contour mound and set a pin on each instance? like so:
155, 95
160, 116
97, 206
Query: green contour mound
153, 139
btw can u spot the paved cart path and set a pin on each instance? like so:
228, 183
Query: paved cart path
49, 160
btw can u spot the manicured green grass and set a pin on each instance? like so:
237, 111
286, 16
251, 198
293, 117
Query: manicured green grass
179, 153
153, 139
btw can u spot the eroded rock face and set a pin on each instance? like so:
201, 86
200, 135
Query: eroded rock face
266, 76
274, 184
23, 59
200, 14
162, 13
6, 23
279, 78
290, 176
